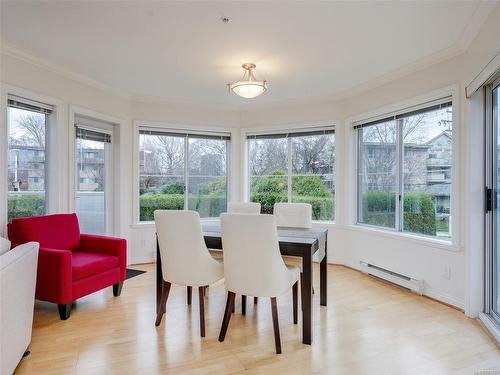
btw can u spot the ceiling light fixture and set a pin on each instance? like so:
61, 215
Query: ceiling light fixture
248, 87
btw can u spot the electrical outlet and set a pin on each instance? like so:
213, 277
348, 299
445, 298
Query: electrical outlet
447, 272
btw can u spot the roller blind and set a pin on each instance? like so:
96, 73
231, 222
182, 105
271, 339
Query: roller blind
406, 112
185, 133
29, 105
92, 135
292, 133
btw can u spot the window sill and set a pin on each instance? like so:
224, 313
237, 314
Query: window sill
430, 242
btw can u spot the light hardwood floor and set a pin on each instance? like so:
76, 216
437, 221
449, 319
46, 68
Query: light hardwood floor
369, 327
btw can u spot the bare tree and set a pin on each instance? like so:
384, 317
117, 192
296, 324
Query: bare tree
34, 128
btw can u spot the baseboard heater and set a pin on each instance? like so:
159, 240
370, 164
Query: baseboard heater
407, 282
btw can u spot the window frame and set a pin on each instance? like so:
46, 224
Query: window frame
283, 129
175, 129
56, 165
455, 244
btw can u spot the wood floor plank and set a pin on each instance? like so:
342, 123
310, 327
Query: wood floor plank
367, 327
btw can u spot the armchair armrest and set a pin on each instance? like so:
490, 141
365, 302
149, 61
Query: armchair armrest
106, 245
54, 276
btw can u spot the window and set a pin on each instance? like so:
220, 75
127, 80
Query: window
27, 164
293, 167
182, 171
404, 170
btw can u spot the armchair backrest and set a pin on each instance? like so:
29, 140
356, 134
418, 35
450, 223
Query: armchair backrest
60, 231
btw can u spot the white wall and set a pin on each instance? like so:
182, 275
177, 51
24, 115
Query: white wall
423, 260
347, 244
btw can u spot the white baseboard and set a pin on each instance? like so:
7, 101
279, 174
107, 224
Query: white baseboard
444, 297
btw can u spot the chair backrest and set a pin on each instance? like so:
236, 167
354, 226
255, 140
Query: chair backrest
243, 207
295, 215
252, 261
184, 255
17, 295
60, 231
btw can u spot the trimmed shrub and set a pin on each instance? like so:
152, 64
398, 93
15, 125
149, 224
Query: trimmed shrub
310, 186
25, 205
207, 205
268, 199
419, 215
271, 189
322, 208
173, 187
149, 203
419, 211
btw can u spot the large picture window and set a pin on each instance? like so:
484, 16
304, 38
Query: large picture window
27, 157
182, 171
293, 167
404, 170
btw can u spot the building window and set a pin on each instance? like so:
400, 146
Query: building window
293, 167
180, 170
407, 185
27, 165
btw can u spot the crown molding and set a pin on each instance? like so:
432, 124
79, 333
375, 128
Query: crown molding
477, 20
30, 58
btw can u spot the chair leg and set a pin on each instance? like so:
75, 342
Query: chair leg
165, 290
276, 326
189, 294
64, 311
227, 315
295, 293
255, 300
201, 297
243, 305
117, 289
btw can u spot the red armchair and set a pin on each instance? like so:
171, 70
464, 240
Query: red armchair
70, 265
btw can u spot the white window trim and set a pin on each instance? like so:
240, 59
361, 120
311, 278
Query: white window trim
118, 153
137, 124
245, 181
458, 168
56, 150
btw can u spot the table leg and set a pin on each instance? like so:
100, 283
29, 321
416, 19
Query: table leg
323, 276
307, 298
159, 275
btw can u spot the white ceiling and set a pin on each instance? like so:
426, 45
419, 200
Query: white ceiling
182, 51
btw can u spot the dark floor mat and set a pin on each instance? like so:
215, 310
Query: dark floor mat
132, 273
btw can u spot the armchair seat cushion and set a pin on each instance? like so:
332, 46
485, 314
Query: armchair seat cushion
85, 264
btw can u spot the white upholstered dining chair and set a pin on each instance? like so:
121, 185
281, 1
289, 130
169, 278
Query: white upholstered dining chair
243, 207
253, 265
294, 215
185, 258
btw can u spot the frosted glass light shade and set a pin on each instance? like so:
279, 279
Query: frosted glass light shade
249, 89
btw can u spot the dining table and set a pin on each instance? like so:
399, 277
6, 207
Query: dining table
303, 243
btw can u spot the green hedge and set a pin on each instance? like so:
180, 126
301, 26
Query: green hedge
206, 205
25, 205
419, 211
322, 207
